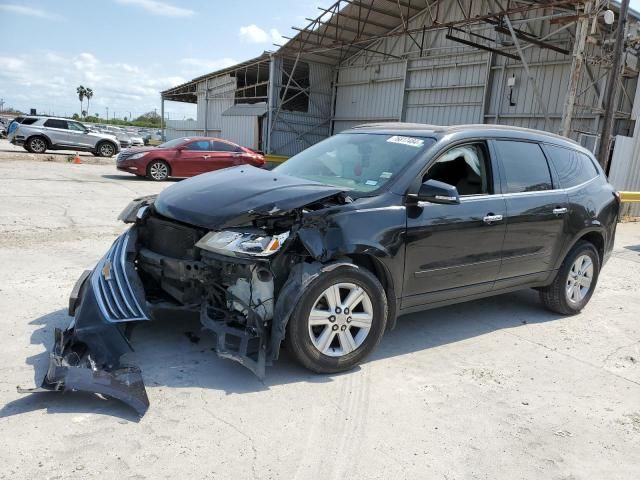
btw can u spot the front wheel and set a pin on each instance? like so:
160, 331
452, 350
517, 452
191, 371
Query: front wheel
158, 170
575, 281
339, 320
106, 149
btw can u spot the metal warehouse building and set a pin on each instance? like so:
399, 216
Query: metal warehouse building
538, 64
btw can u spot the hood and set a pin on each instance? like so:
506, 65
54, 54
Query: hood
234, 196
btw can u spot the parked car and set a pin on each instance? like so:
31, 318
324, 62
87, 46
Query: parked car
136, 140
49, 133
325, 251
120, 134
16, 122
186, 157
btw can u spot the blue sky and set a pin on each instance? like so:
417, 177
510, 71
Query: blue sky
129, 50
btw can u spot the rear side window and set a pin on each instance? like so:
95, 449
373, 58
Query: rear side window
200, 145
29, 121
525, 166
573, 167
52, 123
225, 147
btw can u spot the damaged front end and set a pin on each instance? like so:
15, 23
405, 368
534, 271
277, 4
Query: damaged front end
242, 280
86, 356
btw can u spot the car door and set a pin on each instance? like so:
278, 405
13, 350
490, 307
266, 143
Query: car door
191, 158
58, 132
454, 251
77, 135
537, 211
224, 155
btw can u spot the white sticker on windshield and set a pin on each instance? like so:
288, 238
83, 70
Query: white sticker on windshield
412, 142
386, 175
373, 183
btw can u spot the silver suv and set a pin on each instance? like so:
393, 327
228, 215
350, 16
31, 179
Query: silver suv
62, 134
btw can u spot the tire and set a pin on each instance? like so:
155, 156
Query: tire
158, 171
569, 292
105, 149
336, 328
36, 145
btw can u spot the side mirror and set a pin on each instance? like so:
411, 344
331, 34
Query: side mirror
433, 191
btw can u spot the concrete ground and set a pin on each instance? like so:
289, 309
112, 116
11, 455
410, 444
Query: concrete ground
493, 389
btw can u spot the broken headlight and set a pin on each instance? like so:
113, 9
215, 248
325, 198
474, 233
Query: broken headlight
245, 243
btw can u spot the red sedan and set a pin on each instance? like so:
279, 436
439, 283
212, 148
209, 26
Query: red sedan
186, 157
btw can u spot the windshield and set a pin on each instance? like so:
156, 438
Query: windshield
358, 161
173, 143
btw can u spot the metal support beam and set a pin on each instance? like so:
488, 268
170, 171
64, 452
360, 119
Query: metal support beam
161, 118
612, 90
582, 30
532, 80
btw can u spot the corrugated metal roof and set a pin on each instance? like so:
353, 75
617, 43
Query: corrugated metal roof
348, 26
188, 89
246, 109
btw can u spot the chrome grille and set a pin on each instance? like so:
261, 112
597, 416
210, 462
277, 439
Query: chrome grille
112, 286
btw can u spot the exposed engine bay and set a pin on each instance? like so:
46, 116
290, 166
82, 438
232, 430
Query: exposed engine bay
242, 280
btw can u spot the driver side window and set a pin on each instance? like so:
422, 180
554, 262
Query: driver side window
466, 167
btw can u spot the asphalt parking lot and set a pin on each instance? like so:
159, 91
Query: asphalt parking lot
493, 389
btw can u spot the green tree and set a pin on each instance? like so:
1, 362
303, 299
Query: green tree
81, 91
88, 93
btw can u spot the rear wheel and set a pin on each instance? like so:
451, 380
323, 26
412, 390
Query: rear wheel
36, 145
575, 282
339, 320
158, 170
105, 149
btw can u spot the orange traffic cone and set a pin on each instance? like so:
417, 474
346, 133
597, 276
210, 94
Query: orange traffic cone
76, 159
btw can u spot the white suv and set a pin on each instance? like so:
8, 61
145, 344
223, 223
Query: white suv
61, 134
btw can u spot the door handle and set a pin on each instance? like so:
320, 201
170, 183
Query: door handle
490, 218
560, 211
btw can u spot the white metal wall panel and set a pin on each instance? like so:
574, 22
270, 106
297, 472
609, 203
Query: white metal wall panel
241, 129
292, 132
221, 97
370, 93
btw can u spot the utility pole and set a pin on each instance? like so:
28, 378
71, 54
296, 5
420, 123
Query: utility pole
1, 105
107, 108
582, 29
611, 98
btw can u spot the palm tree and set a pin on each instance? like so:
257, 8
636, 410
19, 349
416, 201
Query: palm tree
88, 93
81, 94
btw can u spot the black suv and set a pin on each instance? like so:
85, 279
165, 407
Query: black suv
328, 249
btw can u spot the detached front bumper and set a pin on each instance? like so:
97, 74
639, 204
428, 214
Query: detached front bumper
104, 302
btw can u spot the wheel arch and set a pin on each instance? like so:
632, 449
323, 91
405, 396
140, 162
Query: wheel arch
41, 135
595, 236
159, 159
380, 271
100, 142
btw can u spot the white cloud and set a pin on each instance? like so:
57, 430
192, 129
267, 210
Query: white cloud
254, 34
28, 11
156, 7
47, 81
11, 64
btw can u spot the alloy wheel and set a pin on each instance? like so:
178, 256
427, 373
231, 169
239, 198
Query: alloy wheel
106, 150
38, 145
340, 319
579, 279
159, 171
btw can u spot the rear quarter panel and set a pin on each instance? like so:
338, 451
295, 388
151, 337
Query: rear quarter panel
593, 207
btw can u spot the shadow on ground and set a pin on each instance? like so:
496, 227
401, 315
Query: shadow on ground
133, 177
176, 353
